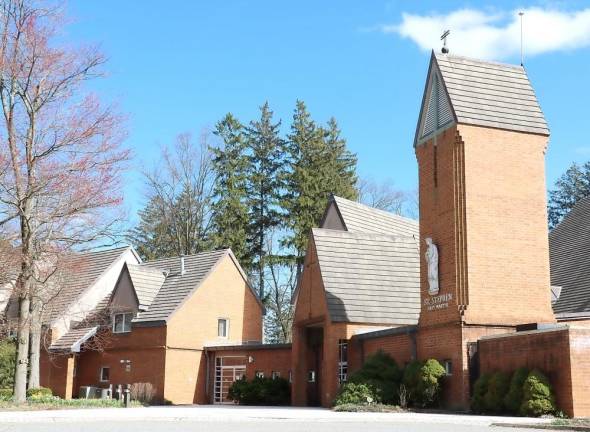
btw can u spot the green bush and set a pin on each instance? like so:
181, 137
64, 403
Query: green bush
382, 374
480, 389
538, 398
260, 391
430, 386
6, 394
423, 381
356, 394
7, 363
513, 399
39, 393
497, 389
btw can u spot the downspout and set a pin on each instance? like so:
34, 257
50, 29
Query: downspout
207, 394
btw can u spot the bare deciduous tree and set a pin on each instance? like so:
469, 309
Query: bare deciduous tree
382, 196
60, 159
177, 219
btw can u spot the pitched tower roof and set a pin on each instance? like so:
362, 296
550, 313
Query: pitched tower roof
461, 90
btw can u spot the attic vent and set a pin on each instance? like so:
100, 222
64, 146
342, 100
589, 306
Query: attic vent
438, 111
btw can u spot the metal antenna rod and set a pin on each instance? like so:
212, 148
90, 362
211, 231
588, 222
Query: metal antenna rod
521, 13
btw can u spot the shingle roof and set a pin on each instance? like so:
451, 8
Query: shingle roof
147, 281
369, 278
83, 270
569, 251
73, 339
484, 93
177, 286
364, 219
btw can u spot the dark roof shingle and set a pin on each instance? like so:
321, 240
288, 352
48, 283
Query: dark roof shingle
569, 251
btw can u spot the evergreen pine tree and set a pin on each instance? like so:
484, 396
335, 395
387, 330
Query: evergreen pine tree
320, 165
571, 187
265, 177
230, 211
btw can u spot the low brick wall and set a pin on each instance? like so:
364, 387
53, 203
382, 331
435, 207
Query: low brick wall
562, 353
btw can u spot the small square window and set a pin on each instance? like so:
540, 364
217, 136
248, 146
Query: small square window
275, 374
290, 376
222, 327
259, 374
311, 376
104, 374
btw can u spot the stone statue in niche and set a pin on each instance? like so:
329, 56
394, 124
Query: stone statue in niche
432, 262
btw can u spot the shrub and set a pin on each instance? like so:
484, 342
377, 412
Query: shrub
538, 398
423, 382
7, 363
429, 386
39, 393
498, 385
260, 391
143, 392
513, 399
356, 394
480, 389
6, 394
382, 374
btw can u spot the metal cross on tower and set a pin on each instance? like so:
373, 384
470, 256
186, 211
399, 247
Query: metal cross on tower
443, 38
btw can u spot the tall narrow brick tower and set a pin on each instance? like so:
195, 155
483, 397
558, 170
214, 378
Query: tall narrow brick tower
480, 144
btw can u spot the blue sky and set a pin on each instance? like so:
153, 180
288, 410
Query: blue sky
179, 66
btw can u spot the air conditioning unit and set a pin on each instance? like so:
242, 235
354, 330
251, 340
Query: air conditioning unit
89, 392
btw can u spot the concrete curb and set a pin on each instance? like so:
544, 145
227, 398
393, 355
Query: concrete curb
543, 426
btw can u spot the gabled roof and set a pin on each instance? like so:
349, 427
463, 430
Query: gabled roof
177, 287
360, 218
476, 92
569, 252
146, 282
369, 278
72, 341
84, 269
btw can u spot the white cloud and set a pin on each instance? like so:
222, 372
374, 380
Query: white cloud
496, 36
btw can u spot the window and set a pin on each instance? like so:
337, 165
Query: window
342, 360
275, 374
104, 373
311, 376
259, 374
222, 327
448, 367
122, 322
290, 376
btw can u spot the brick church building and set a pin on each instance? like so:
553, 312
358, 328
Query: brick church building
469, 284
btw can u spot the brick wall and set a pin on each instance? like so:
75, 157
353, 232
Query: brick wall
563, 354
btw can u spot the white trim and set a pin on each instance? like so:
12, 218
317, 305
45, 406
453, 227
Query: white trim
226, 336
124, 322
100, 374
78, 344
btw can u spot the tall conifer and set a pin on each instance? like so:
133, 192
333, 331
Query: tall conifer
230, 208
265, 176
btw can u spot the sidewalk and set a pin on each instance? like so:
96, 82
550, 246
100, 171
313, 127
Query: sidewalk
206, 413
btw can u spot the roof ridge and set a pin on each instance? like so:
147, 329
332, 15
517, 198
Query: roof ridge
219, 251
480, 61
385, 212
362, 234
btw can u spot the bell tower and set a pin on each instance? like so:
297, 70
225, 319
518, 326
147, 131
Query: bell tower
480, 145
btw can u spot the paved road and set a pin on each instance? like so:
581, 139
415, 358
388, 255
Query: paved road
249, 426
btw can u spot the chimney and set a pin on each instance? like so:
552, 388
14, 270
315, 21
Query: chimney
182, 264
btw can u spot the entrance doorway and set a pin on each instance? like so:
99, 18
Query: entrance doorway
315, 354
227, 370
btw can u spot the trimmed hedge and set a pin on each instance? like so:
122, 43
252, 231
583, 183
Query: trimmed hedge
538, 398
524, 393
513, 398
423, 381
261, 391
498, 386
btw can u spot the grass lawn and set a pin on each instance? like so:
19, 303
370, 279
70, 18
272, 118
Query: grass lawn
55, 403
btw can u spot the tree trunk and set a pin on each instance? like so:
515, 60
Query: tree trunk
22, 356
35, 350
